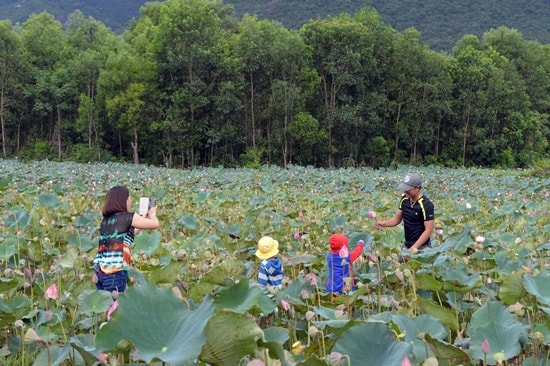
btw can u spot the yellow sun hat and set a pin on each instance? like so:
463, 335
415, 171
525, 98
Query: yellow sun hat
267, 247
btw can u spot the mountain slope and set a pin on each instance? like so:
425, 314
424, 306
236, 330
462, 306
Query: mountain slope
441, 22
113, 13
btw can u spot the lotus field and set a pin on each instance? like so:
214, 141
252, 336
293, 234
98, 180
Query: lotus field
480, 296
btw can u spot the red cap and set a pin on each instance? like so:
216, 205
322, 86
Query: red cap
337, 241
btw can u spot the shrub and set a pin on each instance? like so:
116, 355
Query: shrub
541, 169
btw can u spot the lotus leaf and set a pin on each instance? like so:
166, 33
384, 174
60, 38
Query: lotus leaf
417, 327
147, 243
371, 344
538, 286
57, 355
94, 302
241, 297
229, 337
48, 200
502, 338
159, 325
444, 351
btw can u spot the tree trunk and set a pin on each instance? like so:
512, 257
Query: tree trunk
135, 146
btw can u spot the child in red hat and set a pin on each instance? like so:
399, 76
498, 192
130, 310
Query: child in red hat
339, 262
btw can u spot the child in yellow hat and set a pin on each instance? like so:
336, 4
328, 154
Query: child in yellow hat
271, 271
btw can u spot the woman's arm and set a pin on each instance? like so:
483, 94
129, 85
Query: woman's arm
149, 221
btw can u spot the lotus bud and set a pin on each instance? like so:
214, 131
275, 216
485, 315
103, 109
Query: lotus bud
485, 346
51, 292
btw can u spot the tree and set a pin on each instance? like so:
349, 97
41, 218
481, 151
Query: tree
10, 66
44, 46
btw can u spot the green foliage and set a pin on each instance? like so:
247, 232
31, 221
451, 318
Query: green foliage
541, 169
252, 158
189, 84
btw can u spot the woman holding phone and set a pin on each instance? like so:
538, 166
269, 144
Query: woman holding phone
116, 238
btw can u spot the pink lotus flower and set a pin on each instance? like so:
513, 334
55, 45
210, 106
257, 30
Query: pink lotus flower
285, 305
296, 235
112, 309
256, 362
51, 292
336, 359
485, 346
439, 231
102, 358
406, 362
480, 239
468, 205
372, 214
489, 280
372, 258
19, 323
311, 279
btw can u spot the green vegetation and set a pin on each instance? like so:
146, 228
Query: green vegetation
189, 84
478, 296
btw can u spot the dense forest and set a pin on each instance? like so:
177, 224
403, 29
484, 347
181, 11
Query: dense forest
189, 83
441, 23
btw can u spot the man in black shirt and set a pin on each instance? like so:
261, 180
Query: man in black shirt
417, 213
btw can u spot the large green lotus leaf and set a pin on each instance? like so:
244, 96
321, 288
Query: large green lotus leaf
491, 311
94, 301
426, 281
229, 337
337, 222
241, 297
7, 284
501, 337
414, 327
48, 200
5, 183
229, 268
371, 344
505, 264
458, 281
511, 288
147, 243
70, 258
545, 331
169, 273
538, 286
8, 248
274, 340
18, 307
85, 344
57, 355
447, 352
445, 315
158, 324
84, 243
190, 222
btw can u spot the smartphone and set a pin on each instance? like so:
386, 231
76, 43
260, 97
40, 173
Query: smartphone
143, 205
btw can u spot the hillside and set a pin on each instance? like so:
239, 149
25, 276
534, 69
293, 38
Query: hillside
114, 13
441, 23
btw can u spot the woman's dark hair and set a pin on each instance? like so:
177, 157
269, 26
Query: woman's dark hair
115, 201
